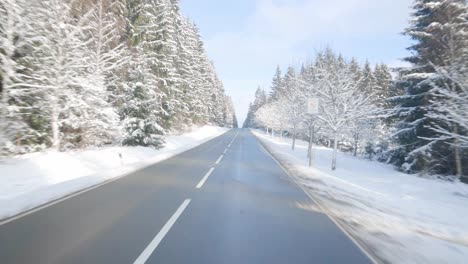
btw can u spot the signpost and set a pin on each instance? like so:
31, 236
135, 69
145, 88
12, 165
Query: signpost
313, 106
312, 109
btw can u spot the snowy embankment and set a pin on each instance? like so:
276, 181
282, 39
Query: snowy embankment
401, 218
34, 179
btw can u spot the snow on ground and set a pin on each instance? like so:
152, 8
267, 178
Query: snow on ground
401, 218
34, 179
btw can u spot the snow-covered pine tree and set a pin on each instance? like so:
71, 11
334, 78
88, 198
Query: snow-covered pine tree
417, 151
197, 107
185, 71
162, 31
383, 85
142, 110
107, 55
228, 117
450, 91
250, 116
220, 103
276, 85
18, 133
259, 101
367, 80
142, 105
60, 68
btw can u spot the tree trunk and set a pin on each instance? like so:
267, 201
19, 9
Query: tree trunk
294, 141
458, 158
335, 150
54, 123
309, 148
355, 147
311, 142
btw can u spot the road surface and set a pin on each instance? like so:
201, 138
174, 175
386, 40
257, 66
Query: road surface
226, 201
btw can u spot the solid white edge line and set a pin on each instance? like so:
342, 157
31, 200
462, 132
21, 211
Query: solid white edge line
321, 207
203, 180
219, 159
144, 256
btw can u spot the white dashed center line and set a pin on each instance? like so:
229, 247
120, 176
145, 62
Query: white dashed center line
219, 159
200, 184
162, 233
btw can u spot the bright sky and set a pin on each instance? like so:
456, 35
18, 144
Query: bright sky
246, 39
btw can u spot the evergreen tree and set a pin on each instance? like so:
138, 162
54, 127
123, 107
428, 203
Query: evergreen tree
259, 101
383, 85
68, 68
277, 85
19, 132
416, 151
142, 107
368, 81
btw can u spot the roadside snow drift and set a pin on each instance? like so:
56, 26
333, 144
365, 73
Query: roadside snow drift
34, 179
402, 218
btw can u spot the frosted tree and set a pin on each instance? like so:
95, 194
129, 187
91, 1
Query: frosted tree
161, 30
313, 124
342, 101
383, 85
60, 68
107, 55
450, 88
269, 116
66, 66
184, 66
259, 100
196, 95
367, 79
228, 111
295, 103
142, 108
277, 85
15, 37
451, 102
430, 30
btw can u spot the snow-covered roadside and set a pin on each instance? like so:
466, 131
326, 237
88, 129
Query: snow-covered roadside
402, 218
34, 179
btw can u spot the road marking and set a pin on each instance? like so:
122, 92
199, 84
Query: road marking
234, 138
219, 159
203, 180
162, 233
232, 141
322, 207
85, 190
225, 151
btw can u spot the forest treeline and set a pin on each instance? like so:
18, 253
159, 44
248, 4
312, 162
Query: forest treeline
416, 120
80, 73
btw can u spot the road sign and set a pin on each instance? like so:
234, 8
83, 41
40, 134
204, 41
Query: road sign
313, 106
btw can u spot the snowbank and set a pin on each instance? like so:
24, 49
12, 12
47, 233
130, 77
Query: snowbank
402, 218
34, 179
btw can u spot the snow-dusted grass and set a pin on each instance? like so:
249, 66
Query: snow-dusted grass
34, 179
402, 218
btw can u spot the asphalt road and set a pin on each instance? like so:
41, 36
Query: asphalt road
197, 207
